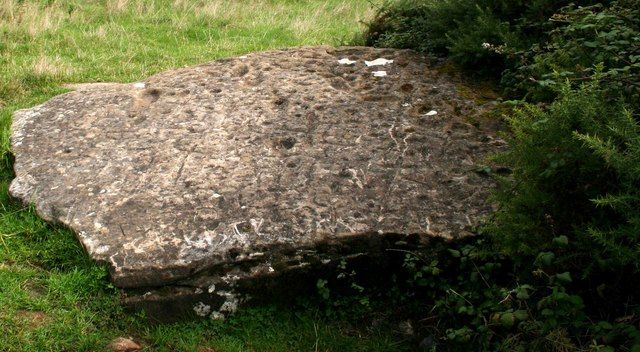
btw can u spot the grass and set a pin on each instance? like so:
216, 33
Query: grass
52, 297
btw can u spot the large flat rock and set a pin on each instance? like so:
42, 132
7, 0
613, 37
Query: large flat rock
249, 157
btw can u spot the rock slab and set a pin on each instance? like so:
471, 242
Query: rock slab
252, 158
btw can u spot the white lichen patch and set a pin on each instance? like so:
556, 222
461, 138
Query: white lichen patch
139, 85
256, 224
102, 249
379, 73
230, 279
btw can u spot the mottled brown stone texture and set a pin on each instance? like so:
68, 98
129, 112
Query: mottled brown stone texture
248, 157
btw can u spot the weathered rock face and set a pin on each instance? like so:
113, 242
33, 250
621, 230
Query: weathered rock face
243, 159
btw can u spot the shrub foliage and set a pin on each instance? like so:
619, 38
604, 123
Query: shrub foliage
558, 267
577, 164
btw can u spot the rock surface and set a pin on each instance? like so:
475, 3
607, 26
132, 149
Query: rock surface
247, 158
122, 344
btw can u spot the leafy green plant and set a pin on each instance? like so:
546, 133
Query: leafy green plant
583, 37
480, 35
467, 296
343, 294
575, 178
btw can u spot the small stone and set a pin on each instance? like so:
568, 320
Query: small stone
378, 62
431, 113
202, 309
379, 73
122, 344
346, 61
217, 316
139, 85
206, 349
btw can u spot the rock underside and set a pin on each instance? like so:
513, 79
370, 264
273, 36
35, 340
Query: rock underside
249, 167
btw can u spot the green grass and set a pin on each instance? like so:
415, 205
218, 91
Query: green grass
52, 297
